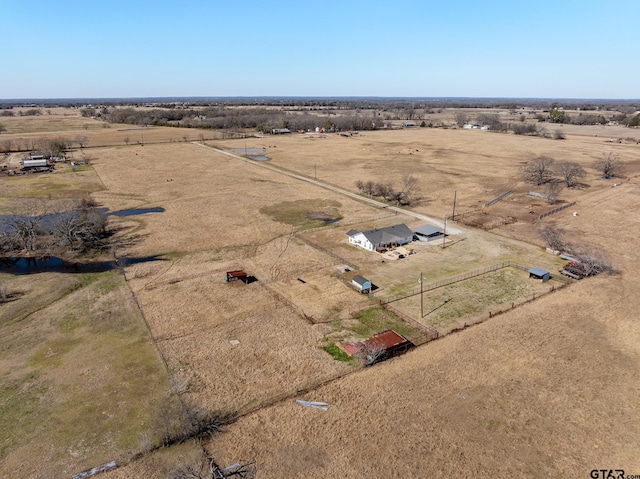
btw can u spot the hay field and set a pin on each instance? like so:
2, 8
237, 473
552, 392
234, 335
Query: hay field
550, 387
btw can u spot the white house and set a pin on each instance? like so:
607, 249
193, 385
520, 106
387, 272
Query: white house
395, 235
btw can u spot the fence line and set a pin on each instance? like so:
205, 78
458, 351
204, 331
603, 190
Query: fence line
553, 212
245, 411
459, 216
501, 222
324, 250
448, 281
427, 333
462, 277
286, 301
498, 198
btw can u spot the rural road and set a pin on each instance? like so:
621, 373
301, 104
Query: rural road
333, 188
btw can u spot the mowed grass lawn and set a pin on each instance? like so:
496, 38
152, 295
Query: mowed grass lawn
472, 300
81, 380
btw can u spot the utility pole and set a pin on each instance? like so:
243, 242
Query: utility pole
421, 302
453, 215
315, 171
444, 232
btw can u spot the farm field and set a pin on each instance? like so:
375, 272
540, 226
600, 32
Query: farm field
548, 387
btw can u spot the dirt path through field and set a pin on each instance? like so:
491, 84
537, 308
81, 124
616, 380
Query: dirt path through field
341, 191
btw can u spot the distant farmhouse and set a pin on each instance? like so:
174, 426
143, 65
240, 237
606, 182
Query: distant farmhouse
390, 236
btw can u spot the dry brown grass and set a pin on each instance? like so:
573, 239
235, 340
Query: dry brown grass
549, 388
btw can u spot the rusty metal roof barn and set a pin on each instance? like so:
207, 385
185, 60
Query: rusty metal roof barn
388, 339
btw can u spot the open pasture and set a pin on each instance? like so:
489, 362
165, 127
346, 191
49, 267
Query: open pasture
526, 381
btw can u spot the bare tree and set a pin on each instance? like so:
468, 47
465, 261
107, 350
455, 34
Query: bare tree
6, 146
538, 171
592, 261
558, 135
382, 190
187, 472
79, 227
461, 119
369, 352
246, 470
57, 147
2, 128
369, 187
552, 236
127, 140
25, 225
553, 189
81, 140
570, 172
410, 191
609, 165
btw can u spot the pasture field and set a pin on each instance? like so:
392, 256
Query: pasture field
549, 387
82, 383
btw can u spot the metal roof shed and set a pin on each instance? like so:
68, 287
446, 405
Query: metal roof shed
539, 273
428, 231
362, 283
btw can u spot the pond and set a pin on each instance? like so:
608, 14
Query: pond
258, 158
248, 151
31, 265
136, 211
49, 220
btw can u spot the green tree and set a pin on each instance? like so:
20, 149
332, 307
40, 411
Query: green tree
557, 116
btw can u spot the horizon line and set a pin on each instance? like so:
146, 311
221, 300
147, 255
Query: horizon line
309, 97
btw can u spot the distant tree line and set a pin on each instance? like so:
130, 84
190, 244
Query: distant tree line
55, 146
260, 119
342, 103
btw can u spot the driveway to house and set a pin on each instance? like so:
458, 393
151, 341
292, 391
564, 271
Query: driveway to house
336, 189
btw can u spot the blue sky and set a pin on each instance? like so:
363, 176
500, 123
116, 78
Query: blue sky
405, 48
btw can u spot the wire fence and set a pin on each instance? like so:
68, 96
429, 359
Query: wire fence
479, 272
445, 282
461, 215
425, 333
315, 245
553, 212
499, 222
498, 198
